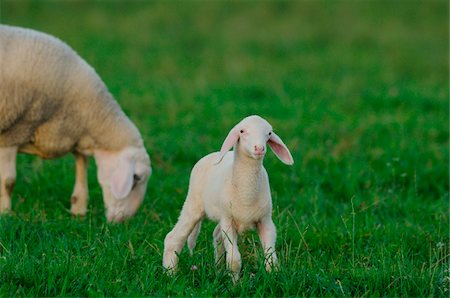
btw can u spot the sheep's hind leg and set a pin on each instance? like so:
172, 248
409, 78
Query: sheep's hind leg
80, 194
7, 176
190, 215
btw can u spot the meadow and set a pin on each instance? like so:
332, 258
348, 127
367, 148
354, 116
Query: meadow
358, 92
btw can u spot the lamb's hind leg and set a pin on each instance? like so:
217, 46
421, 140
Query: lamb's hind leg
80, 195
192, 238
191, 214
218, 244
7, 176
233, 257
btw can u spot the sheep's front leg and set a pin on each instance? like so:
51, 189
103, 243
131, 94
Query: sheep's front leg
190, 215
7, 176
80, 195
233, 257
268, 235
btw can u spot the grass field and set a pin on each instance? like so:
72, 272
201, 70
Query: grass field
359, 93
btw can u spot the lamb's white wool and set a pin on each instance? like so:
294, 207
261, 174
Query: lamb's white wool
231, 188
53, 103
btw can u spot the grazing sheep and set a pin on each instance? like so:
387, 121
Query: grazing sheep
231, 188
53, 103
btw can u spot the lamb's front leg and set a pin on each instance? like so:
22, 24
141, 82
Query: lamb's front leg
191, 214
80, 195
7, 176
268, 235
233, 257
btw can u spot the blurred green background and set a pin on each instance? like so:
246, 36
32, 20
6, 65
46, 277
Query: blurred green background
357, 90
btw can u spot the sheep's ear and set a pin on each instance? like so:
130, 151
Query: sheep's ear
280, 149
230, 141
121, 180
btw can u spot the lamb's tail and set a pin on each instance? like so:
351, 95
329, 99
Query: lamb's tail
192, 238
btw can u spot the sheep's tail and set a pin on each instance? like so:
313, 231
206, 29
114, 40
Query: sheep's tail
192, 238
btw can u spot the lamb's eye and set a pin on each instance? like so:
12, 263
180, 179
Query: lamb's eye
242, 131
270, 133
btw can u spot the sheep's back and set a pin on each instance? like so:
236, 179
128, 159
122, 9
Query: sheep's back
51, 99
40, 78
35, 61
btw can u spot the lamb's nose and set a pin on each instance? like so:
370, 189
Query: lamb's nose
259, 149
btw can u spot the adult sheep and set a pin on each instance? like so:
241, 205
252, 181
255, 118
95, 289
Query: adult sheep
53, 103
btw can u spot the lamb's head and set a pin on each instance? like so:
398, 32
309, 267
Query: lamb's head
250, 136
123, 176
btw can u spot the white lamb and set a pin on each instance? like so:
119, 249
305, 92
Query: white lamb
53, 103
231, 188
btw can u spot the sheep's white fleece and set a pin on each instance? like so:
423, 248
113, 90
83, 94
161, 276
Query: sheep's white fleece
53, 103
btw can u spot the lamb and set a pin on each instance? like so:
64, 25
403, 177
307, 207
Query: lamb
231, 188
53, 103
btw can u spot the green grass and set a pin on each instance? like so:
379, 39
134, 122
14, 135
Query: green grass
359, 93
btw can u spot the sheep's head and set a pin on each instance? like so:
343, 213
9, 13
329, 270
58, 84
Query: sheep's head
250, 137
123, 176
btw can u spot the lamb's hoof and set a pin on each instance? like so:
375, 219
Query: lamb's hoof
272, 267
235, 276
170, 271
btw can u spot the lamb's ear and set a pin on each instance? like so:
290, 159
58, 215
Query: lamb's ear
230, 141
280, 149
121, 180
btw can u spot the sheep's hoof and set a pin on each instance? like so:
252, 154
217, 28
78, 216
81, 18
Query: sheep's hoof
5, 209
78, 213
9, 186
77, 210
80, 216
